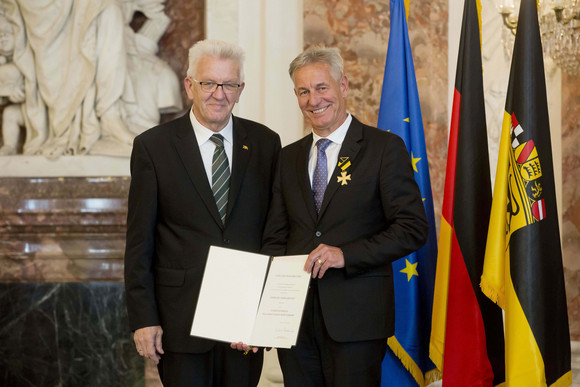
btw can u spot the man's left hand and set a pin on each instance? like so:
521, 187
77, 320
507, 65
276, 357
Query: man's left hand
243, 347
323, 258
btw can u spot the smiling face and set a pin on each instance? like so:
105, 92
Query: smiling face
321, 98
213, 110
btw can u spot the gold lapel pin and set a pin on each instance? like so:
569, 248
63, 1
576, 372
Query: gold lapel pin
343, 178
343, 163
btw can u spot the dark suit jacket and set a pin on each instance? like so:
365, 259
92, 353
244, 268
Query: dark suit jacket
173, 219
376, 218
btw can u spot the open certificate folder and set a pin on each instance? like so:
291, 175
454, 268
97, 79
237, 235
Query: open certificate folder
252, 298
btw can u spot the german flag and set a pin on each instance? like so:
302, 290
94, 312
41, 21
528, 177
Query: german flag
523, 270
467, 331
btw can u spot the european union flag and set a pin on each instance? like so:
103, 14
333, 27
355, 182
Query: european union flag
407, 361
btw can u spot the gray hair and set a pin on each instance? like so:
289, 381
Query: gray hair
218, 49
319, 54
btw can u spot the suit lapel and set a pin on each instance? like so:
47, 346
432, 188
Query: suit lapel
241, 156
350, 148
188, 150
302, 174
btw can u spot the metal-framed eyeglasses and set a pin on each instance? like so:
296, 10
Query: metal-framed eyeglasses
210, 87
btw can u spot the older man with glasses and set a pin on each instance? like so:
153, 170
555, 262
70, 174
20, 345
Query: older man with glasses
202, 179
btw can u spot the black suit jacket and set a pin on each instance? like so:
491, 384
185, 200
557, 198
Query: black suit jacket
173, 219
376, 218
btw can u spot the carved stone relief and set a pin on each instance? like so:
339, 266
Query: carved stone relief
83, 81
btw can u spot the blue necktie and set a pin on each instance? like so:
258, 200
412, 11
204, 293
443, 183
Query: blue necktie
320, 177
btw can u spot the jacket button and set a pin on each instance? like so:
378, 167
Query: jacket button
227, 241
318, 233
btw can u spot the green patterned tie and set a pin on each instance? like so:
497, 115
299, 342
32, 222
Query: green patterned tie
220, 175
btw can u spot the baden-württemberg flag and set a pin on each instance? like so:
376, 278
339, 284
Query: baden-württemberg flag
467, 333
407, 361
523, 270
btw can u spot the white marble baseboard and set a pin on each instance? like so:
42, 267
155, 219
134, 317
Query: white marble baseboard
64, 166
272, 376
575, 345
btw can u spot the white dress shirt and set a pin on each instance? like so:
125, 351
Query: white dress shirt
336, 138
207, 146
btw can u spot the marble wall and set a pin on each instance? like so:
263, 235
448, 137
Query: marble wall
360, 29
62, 229
571, 197
187, 27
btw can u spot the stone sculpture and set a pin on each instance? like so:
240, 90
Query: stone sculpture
89, 86
11, 90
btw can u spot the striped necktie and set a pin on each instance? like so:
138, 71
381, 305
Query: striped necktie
220, 175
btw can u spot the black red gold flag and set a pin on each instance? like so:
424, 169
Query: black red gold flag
467, 331
523, 269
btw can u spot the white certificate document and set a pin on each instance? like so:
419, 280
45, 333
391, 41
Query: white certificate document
280, 311
252, 298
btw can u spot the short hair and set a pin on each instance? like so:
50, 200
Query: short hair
218, 49
319, 54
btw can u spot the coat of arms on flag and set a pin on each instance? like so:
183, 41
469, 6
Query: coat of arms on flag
525, 199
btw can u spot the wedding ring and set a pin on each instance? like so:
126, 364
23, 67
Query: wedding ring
320, 261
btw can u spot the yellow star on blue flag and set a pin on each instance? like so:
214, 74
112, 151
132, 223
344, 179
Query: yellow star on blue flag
415, 160
410, 269
407, 360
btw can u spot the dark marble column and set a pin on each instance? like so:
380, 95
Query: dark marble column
66, 334
63, 319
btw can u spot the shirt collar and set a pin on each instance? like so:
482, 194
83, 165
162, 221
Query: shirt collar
338, 135
203, 134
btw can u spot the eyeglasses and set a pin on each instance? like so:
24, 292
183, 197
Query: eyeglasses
210, 87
